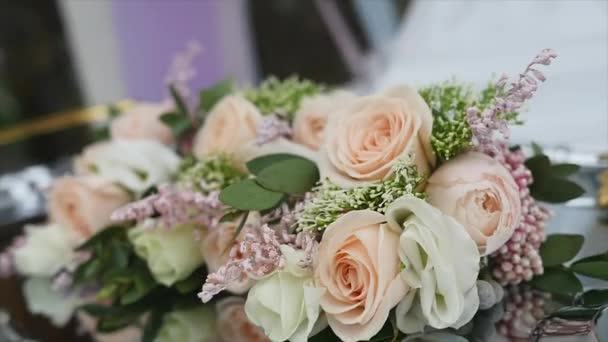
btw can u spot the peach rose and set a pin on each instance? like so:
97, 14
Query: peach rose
233, 324
479, 193
83, 204
310, 120
214, 248
231, 124
358, 265
143, 122
366, 138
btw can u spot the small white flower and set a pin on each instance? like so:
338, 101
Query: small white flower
441, 264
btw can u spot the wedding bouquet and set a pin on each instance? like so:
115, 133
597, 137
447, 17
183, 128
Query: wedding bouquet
293, 211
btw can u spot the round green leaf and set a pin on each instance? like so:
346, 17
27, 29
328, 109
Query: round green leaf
560, 248
558, 281
594, 269
248, 195
291, 176
255, 166
595, 297
555, 190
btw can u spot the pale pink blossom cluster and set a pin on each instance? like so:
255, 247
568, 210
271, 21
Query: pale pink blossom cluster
174, 206
523, 309
272, 128
182, 71
285, 216
7, 257
519, 259
490, 127
257, 255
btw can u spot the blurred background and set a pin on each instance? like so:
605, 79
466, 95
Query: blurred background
60, 56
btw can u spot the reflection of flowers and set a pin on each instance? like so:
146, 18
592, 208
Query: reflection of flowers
233, 324
523, 309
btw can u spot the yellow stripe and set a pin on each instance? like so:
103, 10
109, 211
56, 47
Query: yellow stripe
57, 122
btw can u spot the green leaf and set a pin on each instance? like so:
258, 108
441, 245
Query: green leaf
539, 165
210, 96
96, 310
564, 170
557, 280
537, 149
593, 269
291, 176
560, 248
153, 325
180, 104
249, 196
231, 216
190, 284
555, 190
577, 312
595, 297
104, 234
255, 166
591, 258
178, 123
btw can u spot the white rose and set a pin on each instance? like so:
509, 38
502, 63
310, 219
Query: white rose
47, 249
193, 325
286, 303
441, 265
41, 298
136, 164
172, 254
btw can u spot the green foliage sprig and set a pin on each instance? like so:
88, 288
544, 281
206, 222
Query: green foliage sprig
561, 279
282, 98
214, 172
330, 201
550, 180
449, 102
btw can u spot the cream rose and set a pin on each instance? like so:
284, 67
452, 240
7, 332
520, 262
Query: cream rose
41, 298
135, 164
231, 125
142, 121
286, 303
215, 248
233, 324
311, 118
480, 194
83, 204
46, 250
171, 254
193, 325
366, 138
358, 265
441, 264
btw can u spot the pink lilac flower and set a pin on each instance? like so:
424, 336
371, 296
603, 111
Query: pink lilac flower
490, 127
272, 128
174, 206
182, 71
256, 256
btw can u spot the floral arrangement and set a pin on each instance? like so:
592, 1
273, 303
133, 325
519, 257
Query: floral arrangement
293, 211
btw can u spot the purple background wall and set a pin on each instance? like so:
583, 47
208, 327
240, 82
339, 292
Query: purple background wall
151, 32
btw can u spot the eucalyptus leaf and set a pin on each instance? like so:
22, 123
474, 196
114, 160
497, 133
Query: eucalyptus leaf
591, 258
231, 216
178, 123
576, 312
557, 280
104, 234
210, 96
153, 325
180, 104
249, 196
564, 170
593, 269
96, 310
555, 190
291, 176
595, 297
560, 248
539, 165
255, 166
